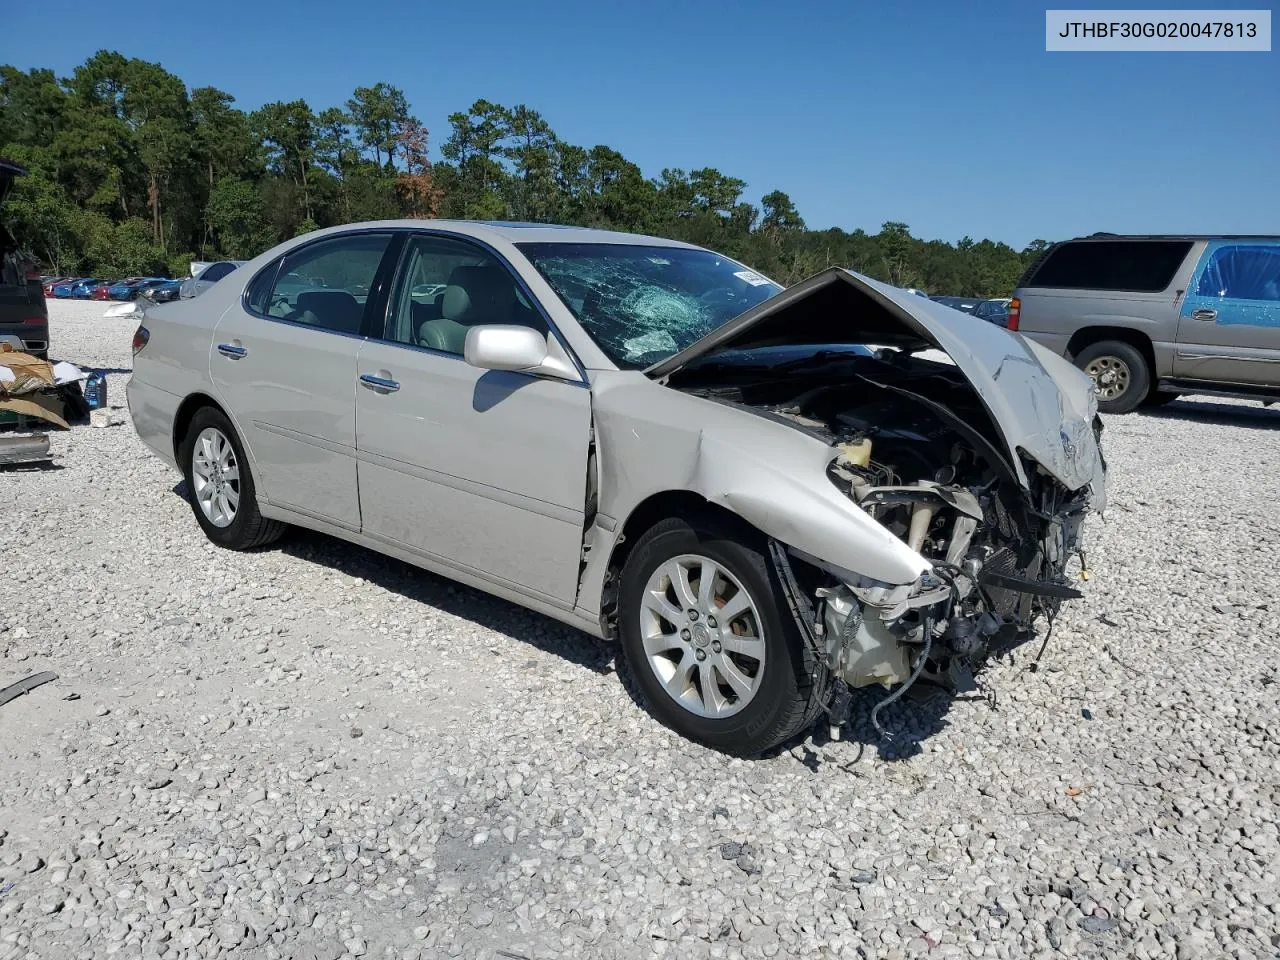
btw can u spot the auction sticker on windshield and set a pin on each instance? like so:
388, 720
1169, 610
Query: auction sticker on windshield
751, 277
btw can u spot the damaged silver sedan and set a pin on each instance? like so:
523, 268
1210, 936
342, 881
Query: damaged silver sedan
769, 497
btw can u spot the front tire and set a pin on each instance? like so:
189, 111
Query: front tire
220, 483
710, 648
1120, 372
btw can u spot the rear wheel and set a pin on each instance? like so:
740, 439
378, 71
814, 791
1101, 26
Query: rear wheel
1120, 373
220, 483
711, 650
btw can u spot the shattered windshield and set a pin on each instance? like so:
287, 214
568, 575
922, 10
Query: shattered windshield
641, 305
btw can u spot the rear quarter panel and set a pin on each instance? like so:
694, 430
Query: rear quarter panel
173, 366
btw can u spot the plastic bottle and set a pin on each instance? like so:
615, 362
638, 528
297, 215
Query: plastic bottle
95, 391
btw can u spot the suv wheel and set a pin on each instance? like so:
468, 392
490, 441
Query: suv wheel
713, 653
1120, 372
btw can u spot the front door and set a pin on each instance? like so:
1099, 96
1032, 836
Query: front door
284, 362
1229, 322
484, 470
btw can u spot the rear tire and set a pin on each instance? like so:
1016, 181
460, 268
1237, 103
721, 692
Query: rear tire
220, 484
741, 684
1120, 372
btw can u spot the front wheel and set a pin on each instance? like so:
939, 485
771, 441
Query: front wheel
712, 651
1120, 373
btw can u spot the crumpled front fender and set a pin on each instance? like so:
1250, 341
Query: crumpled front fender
652, 439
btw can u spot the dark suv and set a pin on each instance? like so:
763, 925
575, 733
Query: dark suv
23, 313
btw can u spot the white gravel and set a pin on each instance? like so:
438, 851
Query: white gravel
313, 751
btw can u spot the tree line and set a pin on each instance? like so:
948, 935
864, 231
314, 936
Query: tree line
134, 173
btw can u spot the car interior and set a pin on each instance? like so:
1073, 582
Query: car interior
437, 315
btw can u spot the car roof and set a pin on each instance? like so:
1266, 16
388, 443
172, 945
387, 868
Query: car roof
1174, 236
513, 231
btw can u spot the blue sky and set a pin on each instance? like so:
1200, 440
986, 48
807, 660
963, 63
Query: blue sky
950, 117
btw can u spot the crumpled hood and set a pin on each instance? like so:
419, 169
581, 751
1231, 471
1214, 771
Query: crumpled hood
1043, 406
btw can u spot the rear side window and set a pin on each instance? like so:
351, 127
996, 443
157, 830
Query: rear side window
1242, 272
216, 272
326, 284
1135, 266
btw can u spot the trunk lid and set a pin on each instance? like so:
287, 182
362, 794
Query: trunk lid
1045, 415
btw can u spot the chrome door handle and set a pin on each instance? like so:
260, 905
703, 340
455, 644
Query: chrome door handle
232, 351
383, 384
1204, 314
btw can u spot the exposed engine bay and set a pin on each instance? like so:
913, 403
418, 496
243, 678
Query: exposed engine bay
913, 445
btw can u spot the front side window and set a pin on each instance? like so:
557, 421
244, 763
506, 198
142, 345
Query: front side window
447, 286
1242, 272
324, 284
644, 304
1134, 266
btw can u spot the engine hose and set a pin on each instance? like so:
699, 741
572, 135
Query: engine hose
915, 675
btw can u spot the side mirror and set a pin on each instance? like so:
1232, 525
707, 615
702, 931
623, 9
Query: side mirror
494, 346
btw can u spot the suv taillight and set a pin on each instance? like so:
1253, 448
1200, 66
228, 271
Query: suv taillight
35, 320
1015, 313
141, 336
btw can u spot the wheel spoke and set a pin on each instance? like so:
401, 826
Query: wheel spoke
231, 473
735, 607
678, 572
661, 644
713, 701
707, 578
738, 681
658, 603
752, 647
679, 682
232, 497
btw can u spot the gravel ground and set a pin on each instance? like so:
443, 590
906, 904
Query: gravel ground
315, 752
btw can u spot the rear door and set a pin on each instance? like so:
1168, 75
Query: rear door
284, 361
483, 469
1229, 323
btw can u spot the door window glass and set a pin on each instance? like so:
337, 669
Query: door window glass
326, 284
1242, 272
448, 286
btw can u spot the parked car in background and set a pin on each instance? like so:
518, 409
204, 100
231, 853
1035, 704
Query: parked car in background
163, 292
994, 311
766, 496
100, 292
49, 283
130, 288
917, 292
83, 289
23, 313
1150, 318
62, 289
198, 284
963, 304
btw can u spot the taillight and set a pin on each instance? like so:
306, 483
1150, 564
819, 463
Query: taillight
35, 320
1015, 313
33, 273
141, 337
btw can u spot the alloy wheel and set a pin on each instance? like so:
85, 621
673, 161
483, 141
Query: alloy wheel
702, 636
215, 475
